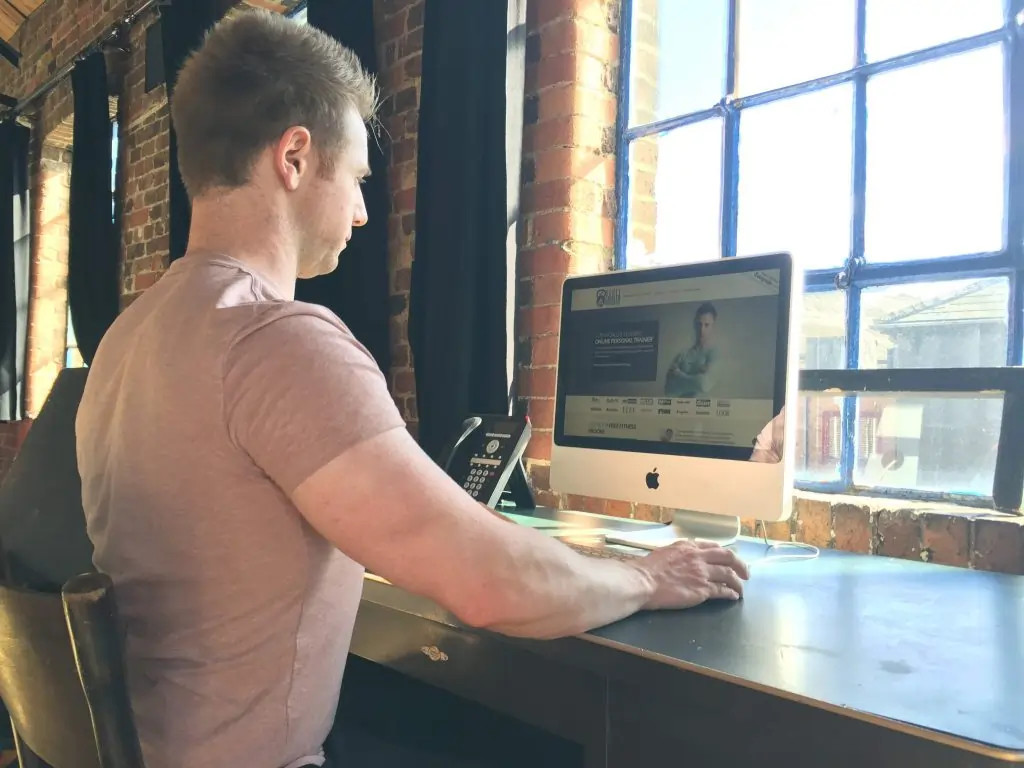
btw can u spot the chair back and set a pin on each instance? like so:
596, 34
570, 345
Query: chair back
62, 675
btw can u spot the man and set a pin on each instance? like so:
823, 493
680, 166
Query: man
242, 460
692, 371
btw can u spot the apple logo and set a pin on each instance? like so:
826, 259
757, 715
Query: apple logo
652, 479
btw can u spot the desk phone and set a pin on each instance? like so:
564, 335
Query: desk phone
486, 458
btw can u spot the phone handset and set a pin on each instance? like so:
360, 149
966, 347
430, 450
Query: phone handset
467, 428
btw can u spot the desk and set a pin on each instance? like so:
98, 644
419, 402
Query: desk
847, 660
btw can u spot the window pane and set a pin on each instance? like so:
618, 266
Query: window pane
944, 444
675, 192
784, 42
818, 438
936, 155
951, 324
895, 27
678, 58
823, 332
795, 169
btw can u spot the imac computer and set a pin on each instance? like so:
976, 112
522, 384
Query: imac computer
671, 391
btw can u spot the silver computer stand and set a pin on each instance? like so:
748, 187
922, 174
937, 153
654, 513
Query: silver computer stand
686, 524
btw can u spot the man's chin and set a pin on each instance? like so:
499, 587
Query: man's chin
323, 267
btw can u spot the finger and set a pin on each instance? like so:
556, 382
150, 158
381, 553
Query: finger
707, 544
722, 574
728, 558
723, 592
683, 544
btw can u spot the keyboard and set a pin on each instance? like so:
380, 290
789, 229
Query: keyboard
605, 552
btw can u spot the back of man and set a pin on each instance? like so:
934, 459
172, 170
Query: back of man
238, 614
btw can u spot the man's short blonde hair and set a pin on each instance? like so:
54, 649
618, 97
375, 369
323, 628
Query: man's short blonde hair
257, 74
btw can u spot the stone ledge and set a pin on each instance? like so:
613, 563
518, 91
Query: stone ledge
932, 532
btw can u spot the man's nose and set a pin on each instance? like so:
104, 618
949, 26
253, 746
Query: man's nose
361, 216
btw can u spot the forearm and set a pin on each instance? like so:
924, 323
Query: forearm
532, 585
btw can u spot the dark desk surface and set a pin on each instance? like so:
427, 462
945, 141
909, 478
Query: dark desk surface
933, 647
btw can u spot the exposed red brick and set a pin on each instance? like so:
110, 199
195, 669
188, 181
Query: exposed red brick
898, 534
537, 382
780, 530
544, 350
542, 413
852, 525
813, 524
946, 539
539, 447
536, 321
999, 545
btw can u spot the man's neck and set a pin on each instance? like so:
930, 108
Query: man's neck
252, 233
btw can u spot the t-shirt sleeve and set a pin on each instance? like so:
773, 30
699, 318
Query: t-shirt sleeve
300, 390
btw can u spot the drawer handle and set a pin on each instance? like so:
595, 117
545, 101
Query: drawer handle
434, 653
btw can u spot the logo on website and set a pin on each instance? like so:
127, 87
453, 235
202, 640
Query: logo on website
608, 297
664, 401
664, 411
703, 403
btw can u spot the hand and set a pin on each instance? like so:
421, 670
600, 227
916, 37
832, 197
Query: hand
688, 573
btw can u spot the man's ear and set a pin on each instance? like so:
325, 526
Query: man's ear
292, 156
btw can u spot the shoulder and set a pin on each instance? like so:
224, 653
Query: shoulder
295, 336
291, 317
294, 323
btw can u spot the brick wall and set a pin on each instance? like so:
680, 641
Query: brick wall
399, 25
567, 228
144, 122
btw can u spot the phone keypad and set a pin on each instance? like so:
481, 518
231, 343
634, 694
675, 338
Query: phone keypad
479, 477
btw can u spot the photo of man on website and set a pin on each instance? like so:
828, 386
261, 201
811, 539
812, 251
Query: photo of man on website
692, 372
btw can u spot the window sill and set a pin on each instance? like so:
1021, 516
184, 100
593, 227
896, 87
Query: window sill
932, 532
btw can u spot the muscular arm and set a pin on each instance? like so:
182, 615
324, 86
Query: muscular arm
386, 505
312, 410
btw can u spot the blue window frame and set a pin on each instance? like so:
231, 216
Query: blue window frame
880, 141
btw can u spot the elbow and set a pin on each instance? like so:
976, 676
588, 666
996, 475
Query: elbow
476, 614
489, 611
484, 609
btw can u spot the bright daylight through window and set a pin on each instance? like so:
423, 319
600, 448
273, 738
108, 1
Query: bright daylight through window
880, 142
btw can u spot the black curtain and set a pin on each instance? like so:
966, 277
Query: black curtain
358, 291
470, 138
14, 266
183, 25
94, 244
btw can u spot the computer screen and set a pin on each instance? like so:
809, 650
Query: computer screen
688, 361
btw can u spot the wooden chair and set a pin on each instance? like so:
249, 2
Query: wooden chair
62, 676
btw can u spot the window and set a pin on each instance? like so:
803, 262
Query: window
873, 140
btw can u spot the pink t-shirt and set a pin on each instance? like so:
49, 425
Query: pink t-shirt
210, 399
